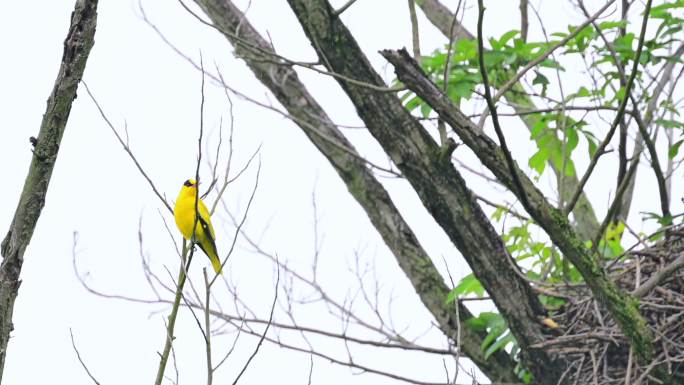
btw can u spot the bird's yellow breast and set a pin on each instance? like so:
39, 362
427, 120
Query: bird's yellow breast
184, 214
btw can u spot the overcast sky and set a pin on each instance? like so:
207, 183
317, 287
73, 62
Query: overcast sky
97, 192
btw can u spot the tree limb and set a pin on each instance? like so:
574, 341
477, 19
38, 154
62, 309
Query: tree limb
659, 276
284, 83
440, 187
621, 305
77, 45
415, 35
441, 17
583, 213
491, 105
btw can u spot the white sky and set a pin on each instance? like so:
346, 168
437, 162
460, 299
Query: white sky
97, 192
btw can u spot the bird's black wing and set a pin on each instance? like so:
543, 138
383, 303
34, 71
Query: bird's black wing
208, 234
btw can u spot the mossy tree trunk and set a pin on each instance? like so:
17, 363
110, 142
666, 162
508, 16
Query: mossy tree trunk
77, 45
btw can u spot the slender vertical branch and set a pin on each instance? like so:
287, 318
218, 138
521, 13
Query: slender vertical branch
441, 127
268, 325
207, 327
184, 268
77, 45
164, 356
622, 143
442, 18
415, 36
533, 63
618, 117
524, 21
615, 206
492, 108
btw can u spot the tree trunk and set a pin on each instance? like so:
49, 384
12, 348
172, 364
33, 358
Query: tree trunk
77, 45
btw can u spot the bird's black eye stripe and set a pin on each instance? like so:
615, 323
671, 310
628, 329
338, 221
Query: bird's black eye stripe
187, 183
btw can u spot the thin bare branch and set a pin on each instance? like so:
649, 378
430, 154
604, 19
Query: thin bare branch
491, 103
78, 355
618, 117
128, 150
263, 336
415, 36
513, 80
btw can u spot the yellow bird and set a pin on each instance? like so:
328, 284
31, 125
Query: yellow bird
184, 213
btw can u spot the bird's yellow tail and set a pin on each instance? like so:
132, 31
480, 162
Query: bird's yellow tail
216, 263
210, 251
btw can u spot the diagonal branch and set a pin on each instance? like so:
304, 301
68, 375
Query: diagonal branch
621, 305
284, 83
441, 17
77, 45
618, 117
583, 213
533, 63
367, 190
442, 190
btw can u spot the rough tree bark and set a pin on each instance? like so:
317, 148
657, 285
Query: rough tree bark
622, 305
586, 223
79, 41
440, 187
284, 83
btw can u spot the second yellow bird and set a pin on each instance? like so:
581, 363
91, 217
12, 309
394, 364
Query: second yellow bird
184, 213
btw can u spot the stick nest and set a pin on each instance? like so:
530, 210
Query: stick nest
591, 340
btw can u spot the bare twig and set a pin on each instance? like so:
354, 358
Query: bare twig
78, 355
182, 275
127, 148
524, 22
268, 325
618, 117
344, 7
658, 277
415, 36
207, 327
492, 109
164, 356
617, 200
281, 60
441, 127
512, 81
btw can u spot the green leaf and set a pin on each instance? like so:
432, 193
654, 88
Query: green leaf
538, 161
541, 79
539, 127
493, 58
674, 149
483, 320
667, 123
582, 92
508, 36
606, 25
496, 327
593, 146
572, 139
413, 103
499, 344
425, 110
469, 284
462, 89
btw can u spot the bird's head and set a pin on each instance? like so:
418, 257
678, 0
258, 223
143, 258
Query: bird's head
189, 187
